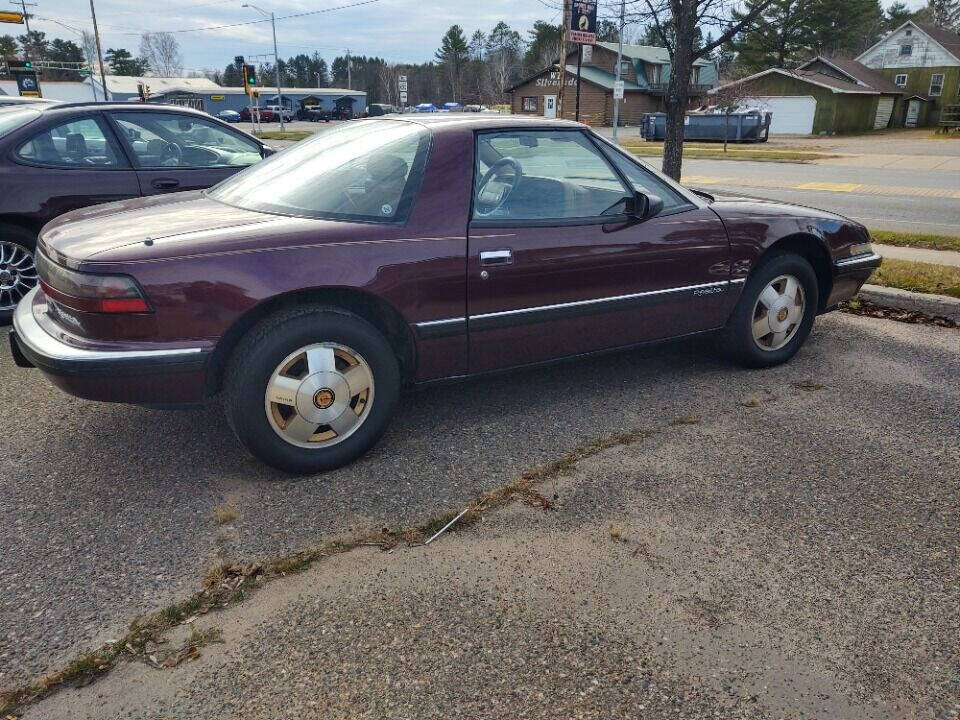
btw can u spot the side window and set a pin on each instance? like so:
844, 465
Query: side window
80, 143
175, 140
645, 181
544, 175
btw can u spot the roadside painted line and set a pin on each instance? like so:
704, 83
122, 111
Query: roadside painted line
829, 187
858, 188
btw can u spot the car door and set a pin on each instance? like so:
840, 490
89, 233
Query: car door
67, 164
556, 266
178, 151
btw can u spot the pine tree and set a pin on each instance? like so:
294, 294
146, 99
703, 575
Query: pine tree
452, 55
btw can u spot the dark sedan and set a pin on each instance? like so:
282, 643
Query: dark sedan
59, 157
313, 286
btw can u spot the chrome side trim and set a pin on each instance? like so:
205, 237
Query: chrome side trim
599, 301
858, 260
433, 329
37, 341
738, 281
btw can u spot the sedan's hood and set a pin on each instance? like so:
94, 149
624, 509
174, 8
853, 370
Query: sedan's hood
145, 227
726, 205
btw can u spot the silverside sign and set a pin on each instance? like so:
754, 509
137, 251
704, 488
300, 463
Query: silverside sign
583, 22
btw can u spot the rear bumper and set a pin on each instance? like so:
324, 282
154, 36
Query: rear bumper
115, 374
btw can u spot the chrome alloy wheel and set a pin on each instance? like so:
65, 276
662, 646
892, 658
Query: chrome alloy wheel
778, 312
319, 395
18, 274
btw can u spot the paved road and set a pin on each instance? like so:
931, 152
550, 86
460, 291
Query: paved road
792, 554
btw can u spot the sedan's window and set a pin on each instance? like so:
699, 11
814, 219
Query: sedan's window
80, 143
544, 175
645, 181
368, 171
175, 140
12, 118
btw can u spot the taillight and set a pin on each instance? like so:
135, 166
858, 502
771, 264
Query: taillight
90, 292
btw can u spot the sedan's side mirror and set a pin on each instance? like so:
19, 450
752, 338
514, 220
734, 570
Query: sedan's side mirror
645, 206
267, 151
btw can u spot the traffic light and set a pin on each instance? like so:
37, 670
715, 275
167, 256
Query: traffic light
19, 65
249, 78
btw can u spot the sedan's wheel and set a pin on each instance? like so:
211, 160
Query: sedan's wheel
778, 312
18, 269
775, 312
311, 388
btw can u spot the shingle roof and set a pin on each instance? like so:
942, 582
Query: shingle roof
869, 77
648, 53
824, 79
949, 39
600, 77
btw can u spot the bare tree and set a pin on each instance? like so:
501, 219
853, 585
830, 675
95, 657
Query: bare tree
678, 23
162, 51
389, 78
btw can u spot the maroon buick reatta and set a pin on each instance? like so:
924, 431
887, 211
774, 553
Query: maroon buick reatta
312, 287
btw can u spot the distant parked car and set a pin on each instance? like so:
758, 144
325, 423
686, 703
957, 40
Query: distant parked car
56, 157
264, 115
315, 114
378, 109
277, 111
230, 116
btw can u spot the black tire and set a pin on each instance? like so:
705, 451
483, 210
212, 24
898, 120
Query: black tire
738, 340
263, 349
26, 240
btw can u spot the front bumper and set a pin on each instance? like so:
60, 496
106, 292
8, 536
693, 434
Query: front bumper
849, 275
133, 375
858, 264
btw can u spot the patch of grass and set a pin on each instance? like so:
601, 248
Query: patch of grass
616, 533
226, 513
916, 240
918, 277
808, 385
285, 135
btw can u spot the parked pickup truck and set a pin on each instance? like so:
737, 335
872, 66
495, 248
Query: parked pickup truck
288, 113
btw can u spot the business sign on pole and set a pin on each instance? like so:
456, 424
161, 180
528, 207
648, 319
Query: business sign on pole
27, 84
618, 89
583, 22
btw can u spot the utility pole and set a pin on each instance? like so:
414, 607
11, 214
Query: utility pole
349, 73
616, 101
26, 21
96, 36
317, 75
276, 56
563, 56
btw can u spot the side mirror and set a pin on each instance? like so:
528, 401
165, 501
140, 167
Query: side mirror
645, 206
267, 151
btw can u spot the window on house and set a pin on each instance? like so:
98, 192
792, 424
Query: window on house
625, 67
906, 50
530, 104
908, 33
936, 84
900, 80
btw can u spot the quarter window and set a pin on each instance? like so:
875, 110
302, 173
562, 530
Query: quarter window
541, 175
936, 84
530, 104
80, 143
175, 140
900, 80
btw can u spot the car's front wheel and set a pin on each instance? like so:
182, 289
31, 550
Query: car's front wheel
775, 312
311, 388
18, 269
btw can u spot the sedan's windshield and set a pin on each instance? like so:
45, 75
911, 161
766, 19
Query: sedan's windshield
368, 171
16, 117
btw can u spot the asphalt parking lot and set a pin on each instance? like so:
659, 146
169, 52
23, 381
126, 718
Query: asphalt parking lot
791, 551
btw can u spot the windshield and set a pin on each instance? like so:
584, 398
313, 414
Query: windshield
368, 171
15, 118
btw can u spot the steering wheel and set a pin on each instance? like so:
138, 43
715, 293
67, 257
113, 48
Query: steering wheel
491, 173
171, 151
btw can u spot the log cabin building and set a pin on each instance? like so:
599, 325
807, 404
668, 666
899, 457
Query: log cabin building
645, 72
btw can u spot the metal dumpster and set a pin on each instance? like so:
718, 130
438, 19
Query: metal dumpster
745, 127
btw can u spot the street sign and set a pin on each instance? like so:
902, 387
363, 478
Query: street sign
583, 22
403, 86
402, 78
403, 97
11, 17
27, 84
588, 53
618, 89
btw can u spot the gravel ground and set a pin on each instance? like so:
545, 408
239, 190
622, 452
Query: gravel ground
795, 550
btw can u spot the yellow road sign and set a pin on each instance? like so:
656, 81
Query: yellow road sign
11, 17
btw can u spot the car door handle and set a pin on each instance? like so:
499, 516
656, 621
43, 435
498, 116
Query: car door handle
496, 257
165, 183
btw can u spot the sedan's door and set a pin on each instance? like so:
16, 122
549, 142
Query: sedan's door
176, 151
556, 268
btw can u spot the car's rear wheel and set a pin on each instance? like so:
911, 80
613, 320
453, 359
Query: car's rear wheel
18, 268
311, 388
775, 312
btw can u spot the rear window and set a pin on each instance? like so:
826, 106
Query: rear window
368, 171
15, 118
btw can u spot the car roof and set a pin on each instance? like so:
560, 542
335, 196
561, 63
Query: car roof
458, 121
126, 106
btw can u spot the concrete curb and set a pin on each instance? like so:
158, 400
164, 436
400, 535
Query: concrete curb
940, 305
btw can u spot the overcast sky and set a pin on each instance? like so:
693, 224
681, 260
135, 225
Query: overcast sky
398, 30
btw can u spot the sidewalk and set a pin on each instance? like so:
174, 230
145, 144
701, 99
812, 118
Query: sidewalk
936, 257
